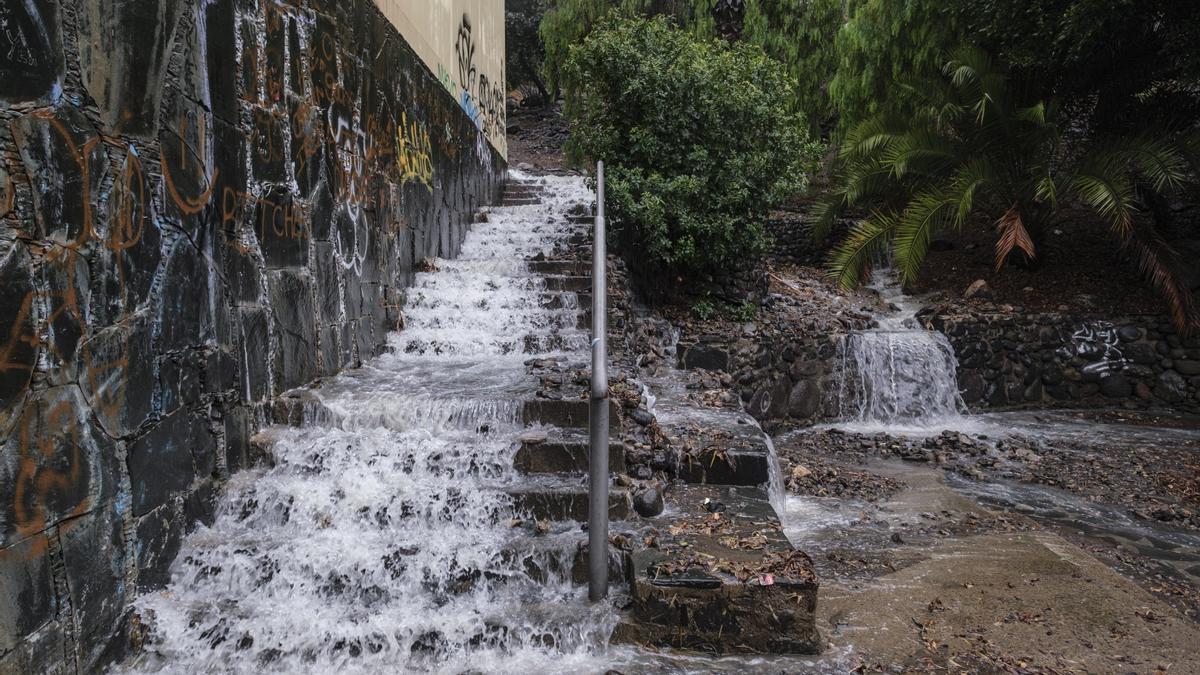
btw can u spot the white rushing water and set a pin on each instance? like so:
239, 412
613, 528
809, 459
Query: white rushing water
899, 376
381, 539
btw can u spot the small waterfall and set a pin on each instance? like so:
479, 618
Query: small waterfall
898, 375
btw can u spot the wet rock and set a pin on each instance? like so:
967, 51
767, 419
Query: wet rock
1116, 386
642, 416
1129, 333
804, 401
706, 357
978, 290
1187, 368
648, 501
1171, 387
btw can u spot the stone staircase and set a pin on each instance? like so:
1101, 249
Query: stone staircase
430, 507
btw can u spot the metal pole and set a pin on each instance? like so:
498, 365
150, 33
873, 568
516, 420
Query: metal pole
598, 420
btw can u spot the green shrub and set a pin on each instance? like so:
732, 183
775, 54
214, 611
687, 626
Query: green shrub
704, 310
698, 140
747, 311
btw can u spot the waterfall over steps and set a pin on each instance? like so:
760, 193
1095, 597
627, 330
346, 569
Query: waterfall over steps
898, 375
382, 538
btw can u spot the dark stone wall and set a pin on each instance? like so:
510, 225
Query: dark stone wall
203, 203
781, 376
1056, 360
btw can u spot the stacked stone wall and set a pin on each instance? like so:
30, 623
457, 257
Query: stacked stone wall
1056, 360
203, 204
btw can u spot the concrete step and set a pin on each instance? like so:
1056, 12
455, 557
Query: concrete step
728, 465
562, 451
567, 414
565, 267
563, 502
721, 582
573, 284
561, 554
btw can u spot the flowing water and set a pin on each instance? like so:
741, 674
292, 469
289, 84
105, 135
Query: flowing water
901, 380
380, 540
899, 375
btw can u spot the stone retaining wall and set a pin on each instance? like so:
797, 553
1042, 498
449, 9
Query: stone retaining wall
779, 376
1052, 360
203, 204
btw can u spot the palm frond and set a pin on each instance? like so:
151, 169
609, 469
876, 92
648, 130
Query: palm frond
1046, 190
970, 178
1157, 262
1013, 236
850, 263
1035, 114
1109, 195
923, 216
825, 215
1162, 163
923, 150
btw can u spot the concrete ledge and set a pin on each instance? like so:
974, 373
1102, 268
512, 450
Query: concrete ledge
722, 579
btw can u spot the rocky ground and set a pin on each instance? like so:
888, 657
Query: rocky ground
535, 139
1154, 480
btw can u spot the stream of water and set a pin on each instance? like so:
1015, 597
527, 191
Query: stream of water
380, 541
898, 376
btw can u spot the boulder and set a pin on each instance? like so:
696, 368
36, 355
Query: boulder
648, 501
804, 401
1187, 368
978, 289
1116, 386
1171, 387
706, 357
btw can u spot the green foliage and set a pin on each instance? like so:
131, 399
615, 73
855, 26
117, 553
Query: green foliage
975, 147
704, 310
747, 311
524, 52
698, 144
567, 23
800, 33
884, 44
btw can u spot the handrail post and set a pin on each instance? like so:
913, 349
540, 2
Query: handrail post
598, 420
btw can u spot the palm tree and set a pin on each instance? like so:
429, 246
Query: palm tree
973, 148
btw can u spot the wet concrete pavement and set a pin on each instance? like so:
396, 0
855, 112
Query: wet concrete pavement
930, 579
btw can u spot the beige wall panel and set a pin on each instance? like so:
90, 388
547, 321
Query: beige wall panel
462, 42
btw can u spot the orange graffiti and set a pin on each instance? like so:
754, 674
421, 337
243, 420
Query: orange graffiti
190, 205
304, 123
284, 221
130, 206
263, 136
39, 481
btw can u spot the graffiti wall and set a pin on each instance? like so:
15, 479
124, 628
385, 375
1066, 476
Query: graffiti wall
462, 41
203, 203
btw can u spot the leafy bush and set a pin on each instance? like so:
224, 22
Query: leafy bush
974, 148
697, 138
747, 311
798, 33
704, 310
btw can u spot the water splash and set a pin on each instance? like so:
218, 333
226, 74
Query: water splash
380, 539
898, 376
